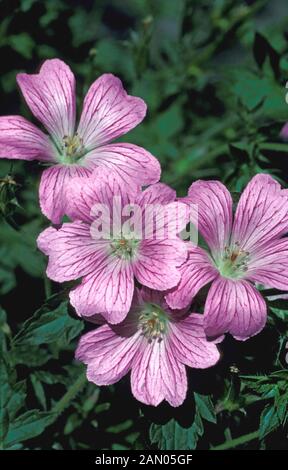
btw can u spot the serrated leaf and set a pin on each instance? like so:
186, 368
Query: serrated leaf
172, 436
49, 327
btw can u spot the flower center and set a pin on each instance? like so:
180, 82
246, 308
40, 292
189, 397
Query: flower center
72, 148
153, 322
234, 262
123, 248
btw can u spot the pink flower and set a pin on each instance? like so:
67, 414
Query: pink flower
109, 264
249, 250
108, 112
153, 342
284, 132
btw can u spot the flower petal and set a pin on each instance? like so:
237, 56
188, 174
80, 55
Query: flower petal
45, 238
108, 355
269, 265
156, 375
284, 132
214, 212
22, 140
50, 95
190, 345
195, 273
159, 193
157, 261
53, 189
262, 213
108, 290
161, 220
108, 112
72, 252
234, 307
132, 163
102, 187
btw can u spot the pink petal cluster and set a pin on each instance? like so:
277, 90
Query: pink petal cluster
109, 265
153, 342
108, 113
243, 250
148, 330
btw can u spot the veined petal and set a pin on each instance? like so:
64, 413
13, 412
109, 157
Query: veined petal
269, 265
53, 190
157, 262
108, 290
262, 213
104, 188
108, 355
159, 193
50, 95
195, 273
157, 376
132, 163
235, 307
72, 252
214, 212
19, 139
163, 220
190, 344
108, 112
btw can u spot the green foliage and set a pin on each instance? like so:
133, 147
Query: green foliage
273, 389
172, 436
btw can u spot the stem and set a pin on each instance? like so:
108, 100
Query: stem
274, 147
237, 441
70, 394
47, 287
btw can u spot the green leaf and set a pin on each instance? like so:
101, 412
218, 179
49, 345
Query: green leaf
120, 427
269, 421
172, 436
23, 44
28, 425
205, 407
261, 94
39, 390
12, 398
18, 248
49, 327
280, 313
169, 123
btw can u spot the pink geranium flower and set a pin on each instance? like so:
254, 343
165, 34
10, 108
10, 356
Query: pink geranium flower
153, 342
108, 112
249, 250
109, 264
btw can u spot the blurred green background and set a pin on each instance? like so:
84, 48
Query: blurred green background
213, 75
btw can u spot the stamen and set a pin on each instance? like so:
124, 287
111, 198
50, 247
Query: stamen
123, 248
73, 147
153, 323
234, 262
